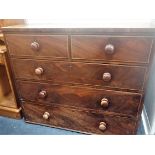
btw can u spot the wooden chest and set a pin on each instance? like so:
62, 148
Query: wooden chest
90, 80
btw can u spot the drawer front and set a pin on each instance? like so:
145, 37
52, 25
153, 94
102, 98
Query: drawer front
124, 77
89, 98
116, 76
74, 119
54, 71
38, 45
126, 49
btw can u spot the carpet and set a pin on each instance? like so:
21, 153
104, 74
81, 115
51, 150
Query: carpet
10, 126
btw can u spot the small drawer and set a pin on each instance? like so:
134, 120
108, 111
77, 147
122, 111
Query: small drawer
82, 97
108, 75
55, 71
38, 45
107, 48
79, 120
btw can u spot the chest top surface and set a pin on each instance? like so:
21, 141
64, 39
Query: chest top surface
86, 27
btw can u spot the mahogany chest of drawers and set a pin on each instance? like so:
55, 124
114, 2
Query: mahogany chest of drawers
90, 80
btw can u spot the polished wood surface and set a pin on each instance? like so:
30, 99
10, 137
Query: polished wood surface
4, 82
123, 77
53, 71
85, 79
8, 105
46, 115
116, 76
105, 102
102, 126
2, 51
126, 49
49, 45
81, 97
76, 119
109, 49
10, 112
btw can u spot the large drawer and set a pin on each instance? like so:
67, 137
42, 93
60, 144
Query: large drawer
38, 45
107, 48
55, 71
79, 120
123, 77
108, 75
82, 97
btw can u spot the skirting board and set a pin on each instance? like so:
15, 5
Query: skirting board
10, 112
146, 123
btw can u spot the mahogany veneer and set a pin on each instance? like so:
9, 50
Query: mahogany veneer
124, 77
76, 119
126, 49
90, 80
81, 97
49, 45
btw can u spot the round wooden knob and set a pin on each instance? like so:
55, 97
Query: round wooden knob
42, 94
106, 77
35, 46
109, 49
39, 71
102, 126
46, 115
104, 102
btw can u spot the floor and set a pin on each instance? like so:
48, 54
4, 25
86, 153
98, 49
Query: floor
19, 127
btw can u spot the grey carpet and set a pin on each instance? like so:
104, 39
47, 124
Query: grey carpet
19, 127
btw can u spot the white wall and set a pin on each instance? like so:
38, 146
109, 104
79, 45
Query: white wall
149, 103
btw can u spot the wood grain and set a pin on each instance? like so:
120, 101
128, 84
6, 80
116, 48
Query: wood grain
127, 49
10, 112
4, 82
74, 119
53, 71
78, 72
123, 77
49, 45
80, 97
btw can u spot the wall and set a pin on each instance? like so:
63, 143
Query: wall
148, 114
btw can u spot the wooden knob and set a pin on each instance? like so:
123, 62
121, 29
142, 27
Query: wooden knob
42, 94
106, 77
109, 49
35, 46
104, 102
102, 126
46, 115
39, 71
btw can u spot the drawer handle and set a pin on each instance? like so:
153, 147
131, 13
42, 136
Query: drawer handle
42, 94
102, 126
46, 116
104, 102
39, 71
35, 46
109, 49
106, 77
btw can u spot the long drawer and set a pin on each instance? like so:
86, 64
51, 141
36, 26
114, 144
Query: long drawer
38, 45
82, 97
115, 76
107, 48
79, 120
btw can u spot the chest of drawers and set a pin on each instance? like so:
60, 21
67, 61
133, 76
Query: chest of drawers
90, 80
